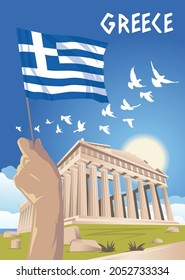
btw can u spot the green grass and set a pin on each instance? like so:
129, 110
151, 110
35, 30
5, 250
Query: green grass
121, 235
6, 253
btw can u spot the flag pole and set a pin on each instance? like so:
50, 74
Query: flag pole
30, 121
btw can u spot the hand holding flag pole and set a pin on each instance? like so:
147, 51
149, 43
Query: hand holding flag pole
54, 67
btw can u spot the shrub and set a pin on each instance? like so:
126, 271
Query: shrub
134, 247
109, 248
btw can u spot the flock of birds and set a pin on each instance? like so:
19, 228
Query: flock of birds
67, 119
134, 82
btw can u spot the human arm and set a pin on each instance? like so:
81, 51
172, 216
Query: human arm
38, 179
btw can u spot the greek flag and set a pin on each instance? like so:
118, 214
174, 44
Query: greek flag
61, 67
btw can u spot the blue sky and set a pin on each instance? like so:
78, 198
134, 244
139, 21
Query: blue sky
163, 119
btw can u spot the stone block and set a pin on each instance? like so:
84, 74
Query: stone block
173, 229
10, 234
157, 241
81, 245
16, 244
71, 233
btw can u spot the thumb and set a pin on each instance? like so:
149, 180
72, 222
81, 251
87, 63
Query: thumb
25, 146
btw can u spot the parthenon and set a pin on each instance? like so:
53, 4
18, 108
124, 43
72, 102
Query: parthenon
101, 184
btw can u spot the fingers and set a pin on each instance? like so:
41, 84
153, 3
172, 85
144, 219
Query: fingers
19, 177
28, 150
28, 184
24, 161
41, 151
25, 147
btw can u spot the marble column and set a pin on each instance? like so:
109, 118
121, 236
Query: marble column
93, 205
123, 196
20, 221
67, 191
155, 204
118, 205
27, 217
147, 202
142, 200
131, 210
135, 202
105, 196
31, 215
73, 198
82, 190
167, 204
24, 219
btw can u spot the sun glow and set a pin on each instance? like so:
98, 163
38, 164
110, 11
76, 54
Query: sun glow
148, 148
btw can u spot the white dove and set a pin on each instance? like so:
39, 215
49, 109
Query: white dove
129, 121
107, 112
159, 79
134, 81
80, 127
49, 122
67, 119
58, 129
104, 128
126, 106
147, 95
18, 128
37, 128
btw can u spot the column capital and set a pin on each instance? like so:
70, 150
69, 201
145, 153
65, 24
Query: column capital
163, 186
151, 183
138, 179
120, 172
105, 168
90, 164
67, 172
75, 166
127, 176
114, 172
82, 161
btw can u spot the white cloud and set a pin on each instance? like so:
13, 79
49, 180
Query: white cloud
177, 199
9, 171
178, 208
8, 220
10, 196
178, 211
179, 219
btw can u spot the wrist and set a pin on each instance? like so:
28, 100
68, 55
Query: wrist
47, 234
47, 230
51, 200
